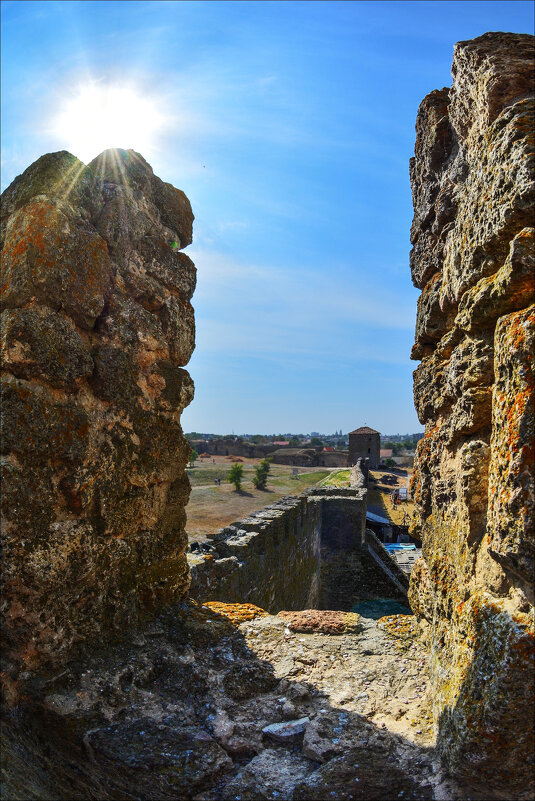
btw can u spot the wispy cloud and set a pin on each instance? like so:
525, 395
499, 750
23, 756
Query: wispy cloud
286, 312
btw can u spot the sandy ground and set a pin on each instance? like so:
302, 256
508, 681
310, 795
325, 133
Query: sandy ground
214, 505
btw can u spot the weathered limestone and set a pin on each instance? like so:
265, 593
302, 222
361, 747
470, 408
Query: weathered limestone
473, 190
96, 326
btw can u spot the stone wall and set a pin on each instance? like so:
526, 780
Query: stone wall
270, 558
303, 552
297, 457
96, 327
333, 459
232, 446
472, 257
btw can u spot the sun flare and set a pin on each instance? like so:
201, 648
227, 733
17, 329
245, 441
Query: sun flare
101, 116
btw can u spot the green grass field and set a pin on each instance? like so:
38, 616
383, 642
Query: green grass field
340, 478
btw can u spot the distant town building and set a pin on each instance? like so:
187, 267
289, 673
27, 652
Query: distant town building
365, 443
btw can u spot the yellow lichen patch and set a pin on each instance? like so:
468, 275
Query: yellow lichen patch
351, 621
402, 626
236, 613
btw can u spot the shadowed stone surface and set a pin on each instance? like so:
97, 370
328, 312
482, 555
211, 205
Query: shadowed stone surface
95, 493
473, 190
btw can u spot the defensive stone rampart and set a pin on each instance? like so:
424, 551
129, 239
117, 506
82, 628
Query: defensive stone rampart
96, 327
473, 192
270, 559
303, 552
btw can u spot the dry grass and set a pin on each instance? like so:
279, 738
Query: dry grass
338, 478
379, 493
211, 507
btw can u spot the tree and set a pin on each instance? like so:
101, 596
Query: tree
193, 455
294, 442
235, 475
390, 463
261, 474
316, 442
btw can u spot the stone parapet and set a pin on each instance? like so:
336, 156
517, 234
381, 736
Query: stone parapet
270, 558
305, 551
96, 326
473, 484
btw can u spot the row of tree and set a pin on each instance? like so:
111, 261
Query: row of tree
235, 475
398, 447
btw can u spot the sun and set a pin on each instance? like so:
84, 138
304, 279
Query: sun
99, 116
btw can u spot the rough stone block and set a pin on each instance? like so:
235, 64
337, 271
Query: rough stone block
511, 524
474, 482
93, 456
40, 343
54, 260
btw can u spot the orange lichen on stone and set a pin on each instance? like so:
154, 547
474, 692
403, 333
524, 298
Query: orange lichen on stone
236, 613
322, 621
473, 481
94, 484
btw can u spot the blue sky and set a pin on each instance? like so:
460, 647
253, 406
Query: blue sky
289, 125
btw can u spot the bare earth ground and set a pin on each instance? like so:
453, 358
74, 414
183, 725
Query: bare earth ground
211, 507
379, 491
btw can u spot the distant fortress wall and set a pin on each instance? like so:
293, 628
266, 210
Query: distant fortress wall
305, 551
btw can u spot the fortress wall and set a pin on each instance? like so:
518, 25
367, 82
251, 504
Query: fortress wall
96, 327
303, 552
473, 193
270, 558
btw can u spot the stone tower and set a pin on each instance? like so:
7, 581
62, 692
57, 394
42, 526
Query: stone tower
365, 443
